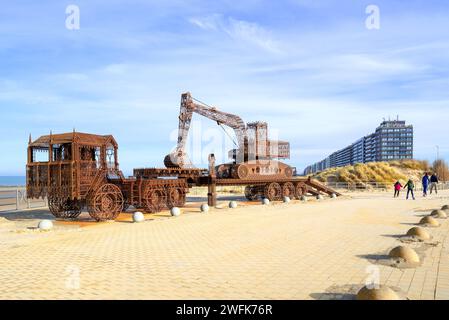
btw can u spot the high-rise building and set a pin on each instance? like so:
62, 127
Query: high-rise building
392, 140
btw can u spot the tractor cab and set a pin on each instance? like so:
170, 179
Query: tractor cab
66, 165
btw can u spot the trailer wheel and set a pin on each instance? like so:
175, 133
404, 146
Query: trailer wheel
250, 194
106, 203
288, 190
154, 200
64, 208
301, 190
176, 198
273, 191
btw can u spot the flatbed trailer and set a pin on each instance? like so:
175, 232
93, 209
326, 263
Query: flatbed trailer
268, 187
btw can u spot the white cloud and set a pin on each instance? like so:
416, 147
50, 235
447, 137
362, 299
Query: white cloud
239, 30
206, 23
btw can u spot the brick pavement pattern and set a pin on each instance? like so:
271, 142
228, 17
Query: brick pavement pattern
280, 251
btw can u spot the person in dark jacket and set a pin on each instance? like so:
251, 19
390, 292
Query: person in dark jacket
434, 183
425, 184
397, 189
410, 187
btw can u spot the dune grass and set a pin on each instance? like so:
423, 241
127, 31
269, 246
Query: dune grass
375, 172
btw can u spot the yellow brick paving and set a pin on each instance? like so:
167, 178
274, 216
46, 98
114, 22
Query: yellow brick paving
295, 251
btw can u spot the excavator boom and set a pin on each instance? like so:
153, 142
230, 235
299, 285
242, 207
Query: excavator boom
258, 148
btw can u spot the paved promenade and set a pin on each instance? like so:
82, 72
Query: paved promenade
317, 250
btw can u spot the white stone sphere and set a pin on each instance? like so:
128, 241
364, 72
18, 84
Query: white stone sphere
319, 197
232, 204
333, 196
265, 201
204, 207
175, 211
303, 199
45, 225
286, 199
138, 216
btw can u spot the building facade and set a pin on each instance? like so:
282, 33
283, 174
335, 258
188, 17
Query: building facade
392, 140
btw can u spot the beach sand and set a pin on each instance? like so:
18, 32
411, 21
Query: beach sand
315, 250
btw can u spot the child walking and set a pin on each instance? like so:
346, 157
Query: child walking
410, 187
397, 189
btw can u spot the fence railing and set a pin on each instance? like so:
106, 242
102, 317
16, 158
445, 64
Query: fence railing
379, 186
15, 198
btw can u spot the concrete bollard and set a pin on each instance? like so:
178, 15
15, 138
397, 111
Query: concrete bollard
45, 225
138, 217
232, 204
286, 199
175, 211
379, 293
265, 201
204, 208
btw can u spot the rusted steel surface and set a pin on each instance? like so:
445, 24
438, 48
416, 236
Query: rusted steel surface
187, 173
252, 143
254, 161
294, 188
81, 170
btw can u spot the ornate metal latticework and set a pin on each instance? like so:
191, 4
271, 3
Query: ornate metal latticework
301, 190
155, 199
288, 190
64, 208
273, 191
80, 169
106, 203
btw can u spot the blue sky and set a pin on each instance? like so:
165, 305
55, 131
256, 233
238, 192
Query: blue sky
310, 68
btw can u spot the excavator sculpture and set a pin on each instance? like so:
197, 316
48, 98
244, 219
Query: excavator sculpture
255, 153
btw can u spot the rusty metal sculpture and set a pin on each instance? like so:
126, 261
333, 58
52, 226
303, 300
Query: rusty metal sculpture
80, 170
255, 153
253, 161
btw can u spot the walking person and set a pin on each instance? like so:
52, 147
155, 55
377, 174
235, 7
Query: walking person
425, 184
434, 183
410, 187
397, 189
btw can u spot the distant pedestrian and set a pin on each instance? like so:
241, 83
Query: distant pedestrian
425, 184
434, 183
410, 187
397, 189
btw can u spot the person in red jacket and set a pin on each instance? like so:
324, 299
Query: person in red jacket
397, 189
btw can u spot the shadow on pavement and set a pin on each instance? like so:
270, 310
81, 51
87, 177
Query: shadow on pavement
27, 215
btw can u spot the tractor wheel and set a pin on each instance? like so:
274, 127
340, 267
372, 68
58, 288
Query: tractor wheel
176, 198
273, 191
64, 208
154, 200
288, 190
106, 203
